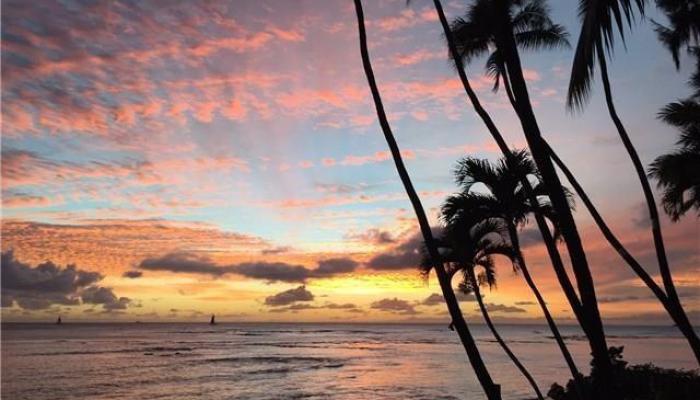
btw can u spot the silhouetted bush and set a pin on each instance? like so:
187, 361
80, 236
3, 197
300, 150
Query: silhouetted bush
636, 382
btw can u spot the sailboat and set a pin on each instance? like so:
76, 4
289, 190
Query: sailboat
212, 321
58, 321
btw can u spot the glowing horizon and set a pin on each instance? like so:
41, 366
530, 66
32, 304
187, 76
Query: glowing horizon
214, 159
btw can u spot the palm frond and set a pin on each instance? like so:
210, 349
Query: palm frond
600, 20
520, 164
472, 170
488, 231
683, 28
694, 81
469, 208
681, 114
533, 15
470, 39
690, 138
551, 38
495, 69
426, 264
503, 248
487, 277
678, 174
671, 39
466, 286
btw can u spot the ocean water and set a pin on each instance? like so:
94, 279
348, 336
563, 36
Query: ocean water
292, 361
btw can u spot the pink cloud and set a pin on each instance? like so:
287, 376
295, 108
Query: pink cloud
338, 200
362, 120
284, 167
23, 201
290, 35
548, 93
204, 111
16, 119
252, 41
420, 115
22, 168
235, 110
406, 19
379, 156
531, 75
418, 56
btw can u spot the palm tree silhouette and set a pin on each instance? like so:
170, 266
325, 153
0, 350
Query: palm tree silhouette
470, 241
496, 25
600, 20
533, 30
506, 200
492, 390
547, 238
678, 173
684, 17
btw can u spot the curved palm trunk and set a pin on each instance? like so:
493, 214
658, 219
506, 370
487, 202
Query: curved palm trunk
499, 339
515, 241
674, 306
550, 243
673, 309
492, 390
639, 169
592, 322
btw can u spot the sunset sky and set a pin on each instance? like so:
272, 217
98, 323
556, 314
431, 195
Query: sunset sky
224, 157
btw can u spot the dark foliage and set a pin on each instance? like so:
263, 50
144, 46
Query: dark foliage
636, 382
678, 173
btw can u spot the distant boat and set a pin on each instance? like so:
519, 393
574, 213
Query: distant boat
58, 321
212, 321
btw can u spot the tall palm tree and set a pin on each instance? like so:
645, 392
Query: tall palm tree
495, 24
492, 390
469, 242
506, 200
600, 19
547, 238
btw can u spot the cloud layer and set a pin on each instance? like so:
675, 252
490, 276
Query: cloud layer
47, 284
190, 263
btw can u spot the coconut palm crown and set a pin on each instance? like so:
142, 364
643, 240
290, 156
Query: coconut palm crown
471, 242
506, 197
475, 34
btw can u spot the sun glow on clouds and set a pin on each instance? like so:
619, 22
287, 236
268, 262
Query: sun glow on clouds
248, 141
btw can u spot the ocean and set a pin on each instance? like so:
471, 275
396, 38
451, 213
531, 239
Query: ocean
293, 361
